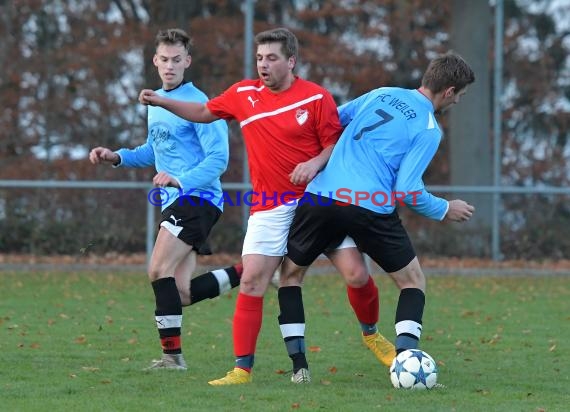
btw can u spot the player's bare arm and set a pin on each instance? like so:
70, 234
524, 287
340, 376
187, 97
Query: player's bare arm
195, 112
459, 211
102, 154
306, 171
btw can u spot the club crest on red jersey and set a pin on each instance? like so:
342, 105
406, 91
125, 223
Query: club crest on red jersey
301, 115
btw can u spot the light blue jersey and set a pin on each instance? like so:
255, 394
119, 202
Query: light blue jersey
195, 154
390, 137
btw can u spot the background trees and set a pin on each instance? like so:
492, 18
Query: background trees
72, 70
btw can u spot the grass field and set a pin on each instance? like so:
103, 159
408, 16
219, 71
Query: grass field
78, 341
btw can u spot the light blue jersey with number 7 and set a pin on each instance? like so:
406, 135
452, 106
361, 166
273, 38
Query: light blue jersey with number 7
390, 137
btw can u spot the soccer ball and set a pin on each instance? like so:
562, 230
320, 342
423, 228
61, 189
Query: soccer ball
413, 369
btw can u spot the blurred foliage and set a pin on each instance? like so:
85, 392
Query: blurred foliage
72, 71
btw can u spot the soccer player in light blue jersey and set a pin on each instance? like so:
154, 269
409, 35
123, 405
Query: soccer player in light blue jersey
189, 159
390, 137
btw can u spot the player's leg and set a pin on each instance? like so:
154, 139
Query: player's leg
184, 227
248, 314
409, 312
310, 233
264, 245
212, 284
194, 222
292, 318
386, 241
363, 297
168, 252
183, 274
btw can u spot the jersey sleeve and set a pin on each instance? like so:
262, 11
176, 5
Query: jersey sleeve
224, 106
140, 156
213, 139
409, 181
328, 124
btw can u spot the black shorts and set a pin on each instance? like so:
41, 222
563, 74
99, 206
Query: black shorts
321, 223
190, 219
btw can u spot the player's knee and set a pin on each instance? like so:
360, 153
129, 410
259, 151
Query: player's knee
291, 274
356, 276
156, 272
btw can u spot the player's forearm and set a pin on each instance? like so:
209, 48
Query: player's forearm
322, 158
426, 204
194, 112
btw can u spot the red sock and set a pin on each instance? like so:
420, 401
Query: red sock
247, 323
365, 302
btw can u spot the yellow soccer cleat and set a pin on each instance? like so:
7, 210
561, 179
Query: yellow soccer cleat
236, 376
382, 348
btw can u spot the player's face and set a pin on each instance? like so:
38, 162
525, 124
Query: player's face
171, 60
274, 69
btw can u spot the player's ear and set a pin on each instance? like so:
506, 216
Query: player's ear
155, 60
449, 92
292, 62
188, 61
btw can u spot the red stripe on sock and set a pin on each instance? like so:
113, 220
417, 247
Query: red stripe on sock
170, 343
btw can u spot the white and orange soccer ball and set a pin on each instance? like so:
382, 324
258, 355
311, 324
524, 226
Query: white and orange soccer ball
413, 369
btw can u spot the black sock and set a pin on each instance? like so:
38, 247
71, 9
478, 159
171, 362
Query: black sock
292, 324
168, 314
409, 315
213, 284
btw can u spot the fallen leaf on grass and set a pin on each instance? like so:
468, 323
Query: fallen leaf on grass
551, 349
280, 372
325, 382
333, 369
295, 405
90, 368
81, 340
314, 348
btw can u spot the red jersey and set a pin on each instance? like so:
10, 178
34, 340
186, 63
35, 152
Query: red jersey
280, 131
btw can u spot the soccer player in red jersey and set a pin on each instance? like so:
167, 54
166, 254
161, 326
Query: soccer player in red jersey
290, 126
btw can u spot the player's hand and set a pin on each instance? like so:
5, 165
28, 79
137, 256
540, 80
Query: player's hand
304, 172
459, 211
148, 97
102, 154
163, 179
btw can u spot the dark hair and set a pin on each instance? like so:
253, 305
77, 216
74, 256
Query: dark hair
448, 70
173, 37
289, 43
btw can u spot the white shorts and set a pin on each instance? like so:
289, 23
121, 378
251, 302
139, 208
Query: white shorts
267, 232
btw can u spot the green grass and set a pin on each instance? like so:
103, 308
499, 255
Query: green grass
79, 341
